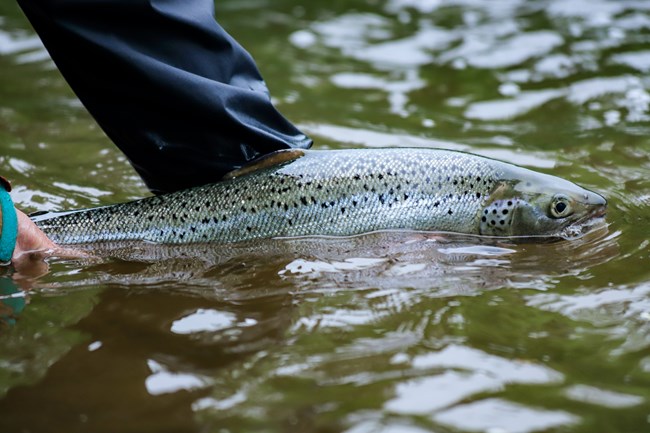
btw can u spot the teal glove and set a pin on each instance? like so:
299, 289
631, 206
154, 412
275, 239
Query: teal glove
9, 228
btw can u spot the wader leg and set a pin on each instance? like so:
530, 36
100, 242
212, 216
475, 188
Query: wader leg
177, 94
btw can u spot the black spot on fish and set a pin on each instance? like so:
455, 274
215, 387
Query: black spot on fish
193, 229
357, 177
455, 182
304, 201
502, 222
406, 196
286, 207
436, 204
205, 220
382, 200
509, 203
354, 202
505, 212
450, 212
342, 211
380, 176
249, 229
319, 186
150, 218
224, 218
484, 219
207, 204
198, 208
493, 222
494, 211
478, 195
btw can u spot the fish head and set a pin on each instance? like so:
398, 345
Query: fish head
537, 205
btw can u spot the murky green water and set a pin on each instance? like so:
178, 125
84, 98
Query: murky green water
387, 333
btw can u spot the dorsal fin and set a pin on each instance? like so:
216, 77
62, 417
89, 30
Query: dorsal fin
270, 160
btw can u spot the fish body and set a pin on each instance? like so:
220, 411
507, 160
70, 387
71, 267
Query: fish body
341, 193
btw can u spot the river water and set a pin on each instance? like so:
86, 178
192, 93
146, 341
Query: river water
390, 332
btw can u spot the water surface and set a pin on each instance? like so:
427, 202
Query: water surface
390, 332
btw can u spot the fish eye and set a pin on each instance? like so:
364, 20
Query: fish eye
561, 206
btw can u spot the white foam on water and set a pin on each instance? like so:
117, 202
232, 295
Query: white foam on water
204, 320
162, 381
503, 109
639, 60
515, 50
503, 370
602, 397
497, 415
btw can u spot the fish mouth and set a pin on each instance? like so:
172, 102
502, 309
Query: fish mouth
592, 220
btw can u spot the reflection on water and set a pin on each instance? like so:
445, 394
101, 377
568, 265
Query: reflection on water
388, 259
12, 302
387, 332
